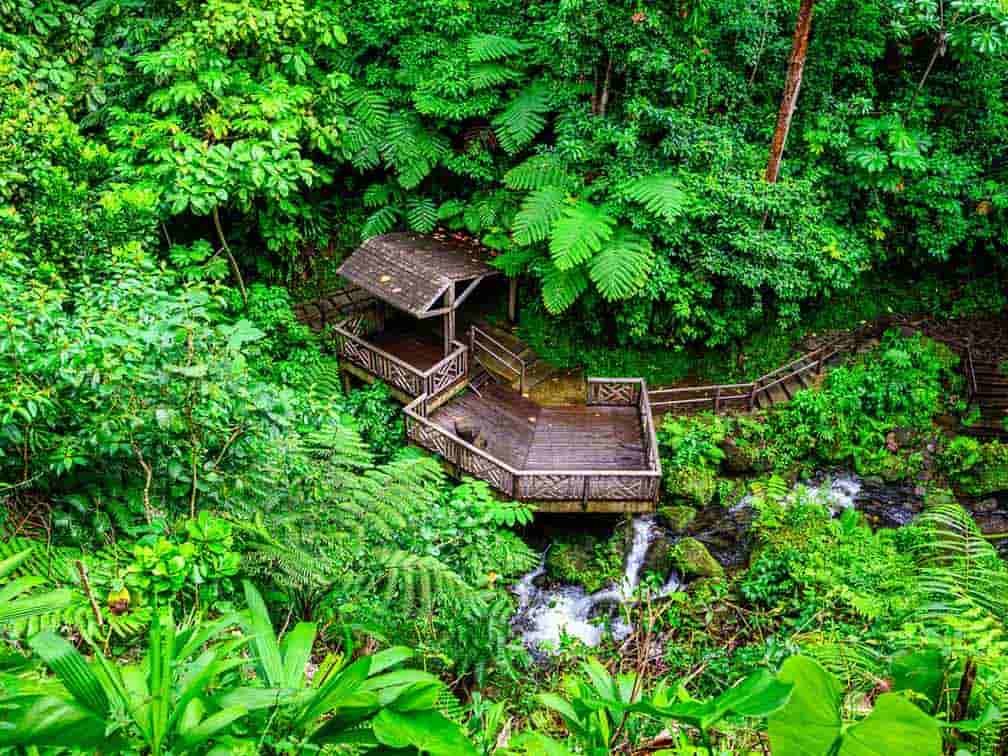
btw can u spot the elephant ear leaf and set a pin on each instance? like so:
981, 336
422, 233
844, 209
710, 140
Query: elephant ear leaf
894, 726
427, 731
810, 722
758, 695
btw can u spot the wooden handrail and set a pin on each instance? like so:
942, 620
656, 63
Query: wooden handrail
377, 350
459, 348
477, 337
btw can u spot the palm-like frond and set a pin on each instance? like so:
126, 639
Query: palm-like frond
561, 288
660, 194
620, 268
959, 568
540, 210
579, 233
523, 118
486, 47
538, 172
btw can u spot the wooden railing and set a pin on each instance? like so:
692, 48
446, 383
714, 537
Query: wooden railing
551, 485
482, 342
725, 396
972, 387
412, 381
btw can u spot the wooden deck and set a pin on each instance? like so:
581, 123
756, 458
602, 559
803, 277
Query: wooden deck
412, 348
527, 436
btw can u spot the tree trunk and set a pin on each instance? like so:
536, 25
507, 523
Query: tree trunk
799, 48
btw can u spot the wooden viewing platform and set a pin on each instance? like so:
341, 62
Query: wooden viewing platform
597, 456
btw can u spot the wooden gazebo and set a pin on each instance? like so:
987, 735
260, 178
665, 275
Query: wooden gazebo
420, 275
600, 455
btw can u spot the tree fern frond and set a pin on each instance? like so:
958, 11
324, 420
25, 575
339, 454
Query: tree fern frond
660, 194
422, 214
538, 172
621, 267
380, 222
579, 233
561, 288
515, 260
538, 213
486, 75
523, 118
486, 47
369, 108
450, 209
959, 568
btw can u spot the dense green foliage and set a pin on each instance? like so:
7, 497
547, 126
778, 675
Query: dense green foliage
208, 545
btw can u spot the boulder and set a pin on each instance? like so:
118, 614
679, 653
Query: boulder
658, 559
676, 518
693, 560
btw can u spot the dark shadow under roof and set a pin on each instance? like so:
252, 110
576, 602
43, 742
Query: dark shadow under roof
412, 271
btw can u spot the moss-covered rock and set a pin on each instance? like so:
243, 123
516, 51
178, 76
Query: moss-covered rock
676, 518
692, 559
586, 560
696, 485
659, 559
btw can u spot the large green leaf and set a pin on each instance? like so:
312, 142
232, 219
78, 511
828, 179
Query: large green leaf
579, 234
894, 726
49, 721
73, 671
427, 731
621, 267
758, 695
561, 288
810, 722
264, 638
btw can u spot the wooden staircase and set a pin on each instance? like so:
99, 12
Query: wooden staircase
506, 359
989, 391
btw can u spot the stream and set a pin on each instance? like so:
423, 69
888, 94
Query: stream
546, 611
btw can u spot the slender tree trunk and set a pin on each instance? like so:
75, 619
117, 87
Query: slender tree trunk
799, 48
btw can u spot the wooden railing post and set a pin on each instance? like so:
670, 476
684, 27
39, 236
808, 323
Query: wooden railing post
584, 494
717, 400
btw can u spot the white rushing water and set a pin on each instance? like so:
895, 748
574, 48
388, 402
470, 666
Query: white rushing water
836, 493
545, 615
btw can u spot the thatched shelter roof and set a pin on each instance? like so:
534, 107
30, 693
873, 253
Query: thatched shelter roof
413, 271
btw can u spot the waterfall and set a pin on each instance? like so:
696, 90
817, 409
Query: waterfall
544, 615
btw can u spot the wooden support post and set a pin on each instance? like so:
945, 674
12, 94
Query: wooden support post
346, 381
717, 400
513, 299
449, 319
752, 398
380, 316
584, 494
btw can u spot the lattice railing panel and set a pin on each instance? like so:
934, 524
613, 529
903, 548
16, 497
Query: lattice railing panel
540, 486
623, 393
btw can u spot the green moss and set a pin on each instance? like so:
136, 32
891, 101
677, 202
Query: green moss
676, 518
693, 560
586, 560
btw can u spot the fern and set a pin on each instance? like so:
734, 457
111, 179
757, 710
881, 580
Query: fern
380, 222
412, 150
523, 118
422, 215
561, 288
959, 568
486, 75
538, 172
514, 260
486, 47
660, 194
620, 268
579, 233
450, 209
540, 210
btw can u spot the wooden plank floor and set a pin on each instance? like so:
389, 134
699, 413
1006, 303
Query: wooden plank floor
505, 418
587, 438
414, 349
529, 437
